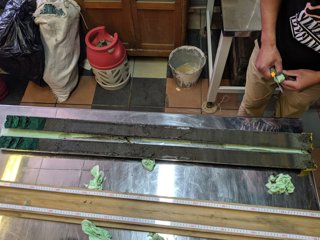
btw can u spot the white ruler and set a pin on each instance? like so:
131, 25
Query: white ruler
164, 200
159, 223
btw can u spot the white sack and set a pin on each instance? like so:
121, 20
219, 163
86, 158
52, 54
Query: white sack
60, 38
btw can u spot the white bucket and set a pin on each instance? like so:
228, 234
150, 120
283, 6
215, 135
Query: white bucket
186, 63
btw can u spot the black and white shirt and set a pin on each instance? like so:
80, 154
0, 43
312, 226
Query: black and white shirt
298, 34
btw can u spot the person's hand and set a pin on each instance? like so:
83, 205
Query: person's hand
304, 78
268, 57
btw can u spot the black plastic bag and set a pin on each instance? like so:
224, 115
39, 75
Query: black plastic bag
2, 4
21, 50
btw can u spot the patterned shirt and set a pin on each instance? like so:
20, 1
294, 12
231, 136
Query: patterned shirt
298, 34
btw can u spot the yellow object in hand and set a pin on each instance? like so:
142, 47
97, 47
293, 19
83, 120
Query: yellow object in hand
273, 72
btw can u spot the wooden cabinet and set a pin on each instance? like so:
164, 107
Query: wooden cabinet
146, 27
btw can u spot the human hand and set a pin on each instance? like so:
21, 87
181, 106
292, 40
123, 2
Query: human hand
304, 78
268, 57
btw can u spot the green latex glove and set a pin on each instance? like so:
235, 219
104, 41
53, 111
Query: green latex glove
98, 179
279, 184
155, 236
148, 164
94, 232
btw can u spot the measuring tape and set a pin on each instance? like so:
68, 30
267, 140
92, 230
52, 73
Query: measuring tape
163, 199
132, 220
159, 223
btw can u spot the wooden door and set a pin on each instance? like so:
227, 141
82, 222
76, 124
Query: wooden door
146, 27
114, 14
160, 26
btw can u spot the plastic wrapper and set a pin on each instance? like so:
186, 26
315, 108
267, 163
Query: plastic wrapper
21, 50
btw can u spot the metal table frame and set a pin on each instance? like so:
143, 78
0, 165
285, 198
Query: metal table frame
182, 180
227, 34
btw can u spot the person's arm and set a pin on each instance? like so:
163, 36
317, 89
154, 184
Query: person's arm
269, 55
304, 79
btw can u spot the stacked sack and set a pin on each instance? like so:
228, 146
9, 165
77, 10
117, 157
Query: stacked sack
58, 21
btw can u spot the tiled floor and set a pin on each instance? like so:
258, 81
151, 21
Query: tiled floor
151, 88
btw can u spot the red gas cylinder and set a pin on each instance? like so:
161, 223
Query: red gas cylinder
111, 52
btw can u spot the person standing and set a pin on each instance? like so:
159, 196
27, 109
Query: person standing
289, 42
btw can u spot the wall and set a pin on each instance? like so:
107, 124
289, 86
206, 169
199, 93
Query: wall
197, 3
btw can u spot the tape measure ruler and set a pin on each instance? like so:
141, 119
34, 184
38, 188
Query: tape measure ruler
159, 223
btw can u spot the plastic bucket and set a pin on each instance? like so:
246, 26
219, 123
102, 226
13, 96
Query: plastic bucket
186, 63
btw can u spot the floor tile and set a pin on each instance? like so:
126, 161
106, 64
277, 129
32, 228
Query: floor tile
59, 178
183, 97
15, 228
146, 92
31, 161
73, 105
39, 104
150, 68
51, 230
84, 92
226, 101
147, 109
310, 123
84, 72
117, 98
37, 94
204, 89
169, 72
222, 112
183, 110
16, 90
28, 176
61, 163
104, 107
103, 164
229, 101
3, 165
131, 66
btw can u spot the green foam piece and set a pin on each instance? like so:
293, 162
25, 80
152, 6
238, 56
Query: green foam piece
94, 232
5, 141
280, 78
51, 9
155, 236
98, 178
28, 143
23, 122
18, 143
148, 164
36, 123
11, 122
280, 184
